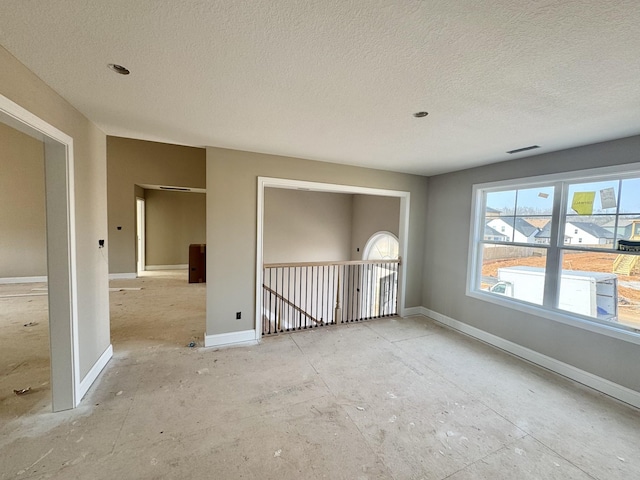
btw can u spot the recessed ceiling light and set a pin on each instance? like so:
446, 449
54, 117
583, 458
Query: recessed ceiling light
420, 114
119, 69
524, 149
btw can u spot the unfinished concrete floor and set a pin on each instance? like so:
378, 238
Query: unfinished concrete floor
392, 398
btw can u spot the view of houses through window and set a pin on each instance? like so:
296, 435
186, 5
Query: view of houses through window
564, 234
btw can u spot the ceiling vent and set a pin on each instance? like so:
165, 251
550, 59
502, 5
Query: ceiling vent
176, 189
119, 69
523, 149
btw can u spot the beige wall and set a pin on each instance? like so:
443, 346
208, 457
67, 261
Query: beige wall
23, 242
232, 178
20, 85
302, 226
174, 220
446, 257
131, 162
372, 214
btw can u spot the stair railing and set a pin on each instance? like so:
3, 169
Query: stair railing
298, 296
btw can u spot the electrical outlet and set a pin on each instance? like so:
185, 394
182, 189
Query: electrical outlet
238, 315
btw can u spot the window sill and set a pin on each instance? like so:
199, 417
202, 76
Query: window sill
627, 334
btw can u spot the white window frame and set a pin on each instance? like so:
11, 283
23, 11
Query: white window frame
554, 248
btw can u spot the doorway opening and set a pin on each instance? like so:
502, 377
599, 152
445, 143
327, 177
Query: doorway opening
61, 270
140, 235
342, 287
160, 306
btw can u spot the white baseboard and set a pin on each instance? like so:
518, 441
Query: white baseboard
7, 280
167, 267
90, 377
410, 311
244, 337
122, 276
597, 383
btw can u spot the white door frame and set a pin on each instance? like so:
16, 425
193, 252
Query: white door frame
403, 237
140, 235
61, 252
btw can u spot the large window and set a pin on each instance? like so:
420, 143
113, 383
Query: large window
552, 243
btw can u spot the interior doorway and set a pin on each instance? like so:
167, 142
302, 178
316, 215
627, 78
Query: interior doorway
140, 235
61, 251
399, 276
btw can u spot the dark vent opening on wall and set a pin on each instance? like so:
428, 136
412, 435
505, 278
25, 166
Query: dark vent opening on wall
524, 149
179, 189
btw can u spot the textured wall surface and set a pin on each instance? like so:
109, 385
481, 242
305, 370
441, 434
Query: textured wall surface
232, 180
445, 270
372, 214
24, 88
174, 220
23, 242
131, 162
304, 226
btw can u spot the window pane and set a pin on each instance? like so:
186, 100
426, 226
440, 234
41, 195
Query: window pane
603, 285
589, 231
543, 226
630, 198
586, 199
535, 201
514, 272
628, 227
500, 203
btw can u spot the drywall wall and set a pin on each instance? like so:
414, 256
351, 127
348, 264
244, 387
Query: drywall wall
372, 214
232, 179
131, 162
301, 226
23, 243
21, 86
174, 220
445, 267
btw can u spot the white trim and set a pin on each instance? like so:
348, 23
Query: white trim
589, 324
7, 280
597, 383
141, 242
27, 119
554, 249
90, 377
244, 337
372, 240
403, 240
122, 276
626, 170
411, 311
182, 266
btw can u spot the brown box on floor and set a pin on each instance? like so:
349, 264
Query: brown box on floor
197, 263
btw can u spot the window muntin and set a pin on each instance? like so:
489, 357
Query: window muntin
514, 272
382, 246
610, 211
515, 213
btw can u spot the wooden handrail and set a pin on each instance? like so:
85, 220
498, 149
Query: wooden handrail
324, 264
291, 304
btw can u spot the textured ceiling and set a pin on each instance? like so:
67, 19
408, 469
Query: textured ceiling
339, 80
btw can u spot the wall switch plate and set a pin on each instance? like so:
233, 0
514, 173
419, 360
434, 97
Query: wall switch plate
238, 315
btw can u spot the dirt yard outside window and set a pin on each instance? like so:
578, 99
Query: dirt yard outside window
628, 285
